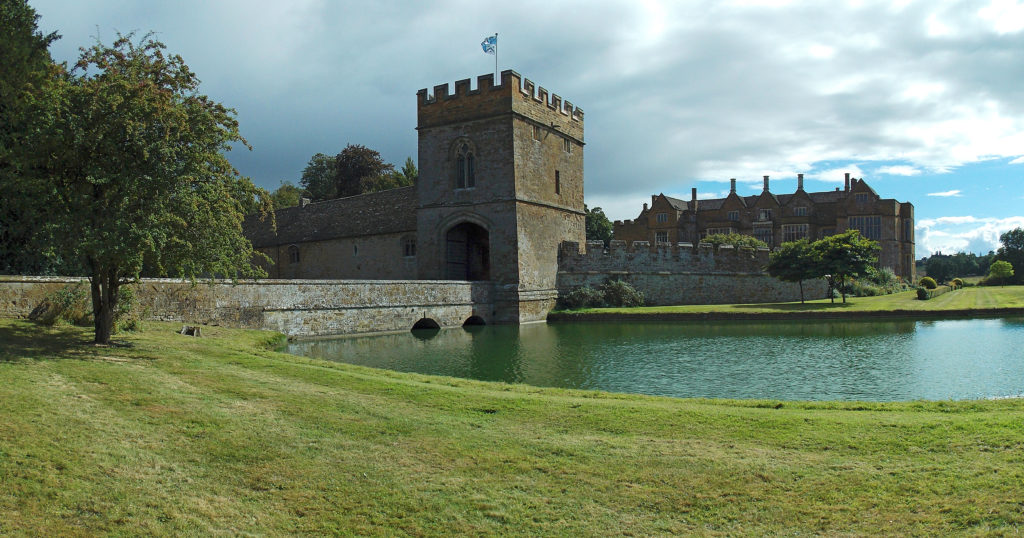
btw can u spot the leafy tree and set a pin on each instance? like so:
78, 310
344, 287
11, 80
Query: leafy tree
1001, 270
406, 177
794, 262
138, 176
1012, 251
359, 169
736, 240
286, 195
27, 76
318, 178
409, 171
599, 228
941, 268
844, 255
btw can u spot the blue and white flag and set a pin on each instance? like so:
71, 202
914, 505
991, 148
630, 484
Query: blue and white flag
490, 44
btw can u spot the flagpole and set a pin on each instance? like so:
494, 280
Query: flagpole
496, 58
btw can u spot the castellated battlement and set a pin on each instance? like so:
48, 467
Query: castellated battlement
513, 94
680, 258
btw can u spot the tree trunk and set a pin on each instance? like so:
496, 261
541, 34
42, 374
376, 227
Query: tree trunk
801, 292
842, 288
104, 285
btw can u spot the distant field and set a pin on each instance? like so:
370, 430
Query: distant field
163, 434
976, 297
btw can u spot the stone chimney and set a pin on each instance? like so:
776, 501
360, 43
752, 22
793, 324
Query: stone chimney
693, 197
732, 185
765, 183
847, 188
799, 182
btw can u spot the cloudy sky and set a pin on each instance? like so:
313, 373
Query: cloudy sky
924, 100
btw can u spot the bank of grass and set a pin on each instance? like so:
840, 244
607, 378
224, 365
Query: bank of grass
165, 434
977, 299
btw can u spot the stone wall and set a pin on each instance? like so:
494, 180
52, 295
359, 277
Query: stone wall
293, 307
364, 257
680, 274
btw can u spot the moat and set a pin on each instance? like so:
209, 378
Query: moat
849, 360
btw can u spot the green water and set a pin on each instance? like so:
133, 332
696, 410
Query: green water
850, 360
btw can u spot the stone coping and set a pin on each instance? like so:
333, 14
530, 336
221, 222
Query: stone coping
262, 281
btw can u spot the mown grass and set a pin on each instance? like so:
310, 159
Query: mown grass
972, 298
164, 434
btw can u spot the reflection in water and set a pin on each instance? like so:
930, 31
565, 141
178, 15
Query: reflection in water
804, 360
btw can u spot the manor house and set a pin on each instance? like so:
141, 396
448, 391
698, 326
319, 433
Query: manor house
500, 188
777, 218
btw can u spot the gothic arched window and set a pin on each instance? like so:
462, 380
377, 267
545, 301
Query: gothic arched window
465, 168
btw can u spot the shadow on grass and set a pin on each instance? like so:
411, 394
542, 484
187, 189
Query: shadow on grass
22, 339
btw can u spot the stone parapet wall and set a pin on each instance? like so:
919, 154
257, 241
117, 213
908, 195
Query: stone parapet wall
680, 274
639, 257
293, 307
695, 288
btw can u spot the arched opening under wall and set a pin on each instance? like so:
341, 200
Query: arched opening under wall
425, 323
474, 320
468, 252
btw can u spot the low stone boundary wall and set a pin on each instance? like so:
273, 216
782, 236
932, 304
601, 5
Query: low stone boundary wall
293, 307
667, 288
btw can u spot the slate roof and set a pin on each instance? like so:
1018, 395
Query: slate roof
390, 211
782, 199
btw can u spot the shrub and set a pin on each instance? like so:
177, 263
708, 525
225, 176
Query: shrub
69, 305
957, 283
884, 277
584, 297
928, 283
619, 293
922, 294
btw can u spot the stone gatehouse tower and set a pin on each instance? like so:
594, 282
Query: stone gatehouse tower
500, 188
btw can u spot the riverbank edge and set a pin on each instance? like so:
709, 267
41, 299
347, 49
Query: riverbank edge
961, 313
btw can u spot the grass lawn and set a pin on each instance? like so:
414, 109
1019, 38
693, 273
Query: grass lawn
165, 434
974, 298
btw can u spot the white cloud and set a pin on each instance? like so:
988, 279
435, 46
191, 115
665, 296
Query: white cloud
898, 170
1006, 16
945, 194
1018, 160
962, 234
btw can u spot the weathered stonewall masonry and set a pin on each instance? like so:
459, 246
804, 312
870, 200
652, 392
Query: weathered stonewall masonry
680, 274
293, 307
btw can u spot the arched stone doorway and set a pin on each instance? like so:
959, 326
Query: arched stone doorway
468, 252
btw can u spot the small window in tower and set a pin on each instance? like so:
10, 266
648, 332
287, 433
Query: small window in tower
558, 183
567, 145
536, 132
661, 218
293, 254
465, 168
355, 250
409, 248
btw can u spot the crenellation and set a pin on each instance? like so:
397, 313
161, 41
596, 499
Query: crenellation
462, 87
556, 104
441, 92
485, 82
